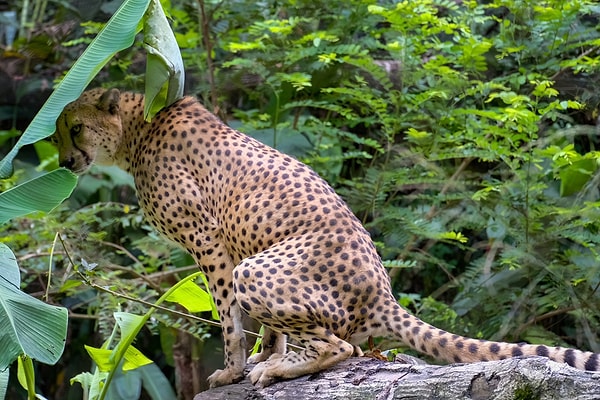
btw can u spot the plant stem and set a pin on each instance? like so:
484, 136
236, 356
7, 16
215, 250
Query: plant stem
208, 46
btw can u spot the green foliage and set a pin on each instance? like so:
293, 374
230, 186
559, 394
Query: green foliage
451, 133
124, 357
31, 328
119, 278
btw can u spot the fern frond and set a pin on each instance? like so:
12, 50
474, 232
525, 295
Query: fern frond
379, 74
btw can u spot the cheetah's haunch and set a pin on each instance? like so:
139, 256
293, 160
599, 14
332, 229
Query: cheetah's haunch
272, 237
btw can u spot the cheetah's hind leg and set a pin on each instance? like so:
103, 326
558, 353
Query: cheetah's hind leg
268, 288
272, 343
323, 350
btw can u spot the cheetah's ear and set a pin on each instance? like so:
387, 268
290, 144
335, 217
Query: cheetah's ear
109, 101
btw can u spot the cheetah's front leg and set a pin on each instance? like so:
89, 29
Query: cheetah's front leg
234, 348
219, 275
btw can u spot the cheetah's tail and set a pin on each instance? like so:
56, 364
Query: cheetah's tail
448, 347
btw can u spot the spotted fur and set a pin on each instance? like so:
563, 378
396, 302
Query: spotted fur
272, 237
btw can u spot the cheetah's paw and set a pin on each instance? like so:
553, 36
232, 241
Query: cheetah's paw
263, 374
223, 377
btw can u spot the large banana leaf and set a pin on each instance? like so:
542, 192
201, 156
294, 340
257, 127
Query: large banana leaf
164, 66
4, 375
118, 34
40, 194
29, 326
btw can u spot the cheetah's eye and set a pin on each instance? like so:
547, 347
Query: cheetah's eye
76, 130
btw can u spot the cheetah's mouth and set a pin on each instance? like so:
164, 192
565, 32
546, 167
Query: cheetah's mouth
81, 170
78, 165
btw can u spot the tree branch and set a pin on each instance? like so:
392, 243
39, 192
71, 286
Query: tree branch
365, 378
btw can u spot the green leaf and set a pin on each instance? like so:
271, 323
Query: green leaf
576, 175
118, 34
164, 66
128, 323
495, 229
90, 383
85, 379
104, 358
399, 263
458, 236
9, 269
43, 193
126, 386
26, 375
299, 80
155, 383
4, 375
47, 155
258, 343
134, 359
215, 312
29, 326
192, 297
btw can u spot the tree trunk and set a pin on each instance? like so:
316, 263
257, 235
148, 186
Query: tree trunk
366, 378
188, 370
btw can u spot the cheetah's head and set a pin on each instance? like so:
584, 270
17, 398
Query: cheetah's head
89, 130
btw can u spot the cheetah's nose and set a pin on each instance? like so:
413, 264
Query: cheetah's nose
68, 163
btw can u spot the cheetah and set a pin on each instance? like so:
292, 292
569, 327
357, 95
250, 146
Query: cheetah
273, 238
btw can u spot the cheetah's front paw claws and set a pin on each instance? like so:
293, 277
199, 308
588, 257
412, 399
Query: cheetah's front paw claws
259, 378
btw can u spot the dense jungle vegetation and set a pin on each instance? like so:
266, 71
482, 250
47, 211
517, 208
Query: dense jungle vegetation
462, 133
